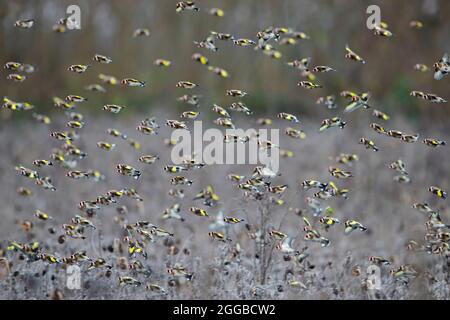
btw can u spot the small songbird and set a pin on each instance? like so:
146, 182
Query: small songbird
322, 69
155, 288
244, 42
42, 118
329, 221
274, 54
177, 193
180, 180
236, 93
216, 12
300, 35
108, 79
379, 261
232, 220
199, 212
240, 107
410, 138
236, 178
186, 85
294, 133
146, 130
14, 66
160, 232
218, 236
224, 122
141, 32
278, 189
125, 280
42, 215
395, 134
175, 124
219, 71
102, 59
175, 169
425, 208
127, 170
24, 24
186, 5
358, 101
339, 173
75, 98
285, 246
24, 191
438, 192
416, 24
301, 65
113, 108
434, 143
378, 128
369, 144
60, 103
264, 121
99, 263
402, 178
267, 144
208, 44
130, 82
277, 234
190, 99
288, 117
95, 88
222, 36
333, 122
190, 114
380, 31
60, 135
31, 174
352, 96
162, 63
309, 85
351, 225
353, 56
79, 220
105, 145
75, 124
77, 174
148, 159
221, 111
442, 67
313, 184
399, 166
428, 96
16, 77
42, 163
46, 183
78, 68
347, 159
314, 235
403, 273
421, 67
200, 58
116, 133
179, 271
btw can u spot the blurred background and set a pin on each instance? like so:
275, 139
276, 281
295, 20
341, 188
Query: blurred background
107, 28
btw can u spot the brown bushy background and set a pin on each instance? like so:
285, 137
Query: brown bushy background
375, 199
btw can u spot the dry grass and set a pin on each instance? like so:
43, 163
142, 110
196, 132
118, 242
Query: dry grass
380, 203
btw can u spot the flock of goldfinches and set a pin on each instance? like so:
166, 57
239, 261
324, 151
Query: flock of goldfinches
316, 219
